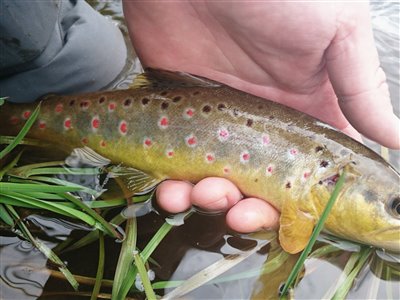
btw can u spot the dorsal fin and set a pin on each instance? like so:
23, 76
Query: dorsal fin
154, 78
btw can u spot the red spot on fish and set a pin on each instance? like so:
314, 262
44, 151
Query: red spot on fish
14, 120
226, 170
42, 124
265, 139
244, 157
269, 170
170, 153
188, 114
306, 174
85, 140
103, 143
163, 123
147, 143
67, 123
191, 140
26, 114
223, 134
123, 127
95, 123
111, 106
293, 151
210, 158
59, 108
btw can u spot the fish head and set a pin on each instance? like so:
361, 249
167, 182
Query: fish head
368, 208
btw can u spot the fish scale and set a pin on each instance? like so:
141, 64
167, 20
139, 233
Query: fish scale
178, 126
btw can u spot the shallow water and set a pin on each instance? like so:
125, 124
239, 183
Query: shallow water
26, 274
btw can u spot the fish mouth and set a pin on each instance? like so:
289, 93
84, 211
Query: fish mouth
388, 238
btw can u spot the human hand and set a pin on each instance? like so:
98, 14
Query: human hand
319, 58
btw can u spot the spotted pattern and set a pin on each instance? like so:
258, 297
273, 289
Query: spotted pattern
42, 124
67, 123
163, 122
95, 123
112, 106
59, 108
210, 158
188, 113
147, 142
223, 134
170, 153
245, 157
123, 127
191, 141
26, 114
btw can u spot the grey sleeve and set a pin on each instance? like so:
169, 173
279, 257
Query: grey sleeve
56, 46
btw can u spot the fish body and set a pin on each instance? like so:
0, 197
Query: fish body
172, 126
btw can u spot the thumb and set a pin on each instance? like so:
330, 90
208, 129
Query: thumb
359, 81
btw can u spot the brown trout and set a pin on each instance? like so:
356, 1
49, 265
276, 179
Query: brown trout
178, 126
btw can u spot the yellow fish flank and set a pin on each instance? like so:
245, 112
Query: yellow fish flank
178, 126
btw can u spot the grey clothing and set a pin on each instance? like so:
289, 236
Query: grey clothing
56, 46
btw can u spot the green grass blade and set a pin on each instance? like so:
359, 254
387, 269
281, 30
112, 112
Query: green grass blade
65, 183
32, 187
125, 259
105, 226
100, 268
318, 228
35, 169
344, 288
144, 276
49, 206
44, 249
6, 217
147, 251
10, 165
344, 274
28, 124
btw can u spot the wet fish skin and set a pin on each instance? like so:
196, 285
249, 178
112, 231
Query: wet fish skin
180, 127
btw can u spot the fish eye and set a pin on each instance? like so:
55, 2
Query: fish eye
394, 207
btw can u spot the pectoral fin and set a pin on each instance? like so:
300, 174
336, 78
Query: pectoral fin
295, 229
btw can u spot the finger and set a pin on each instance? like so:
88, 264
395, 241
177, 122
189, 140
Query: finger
251, 215
358, 80
215, 194
174, 196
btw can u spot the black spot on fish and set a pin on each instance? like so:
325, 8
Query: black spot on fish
324, 164
260, 107
102, 99
221, 106
288, 185
271, 117
145, 101
127, 102
256, 180
196, 93
319, 148
206, 109
164, 105
164, 93
71, 103
177, 99
235, 112
249, 122
84, 104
